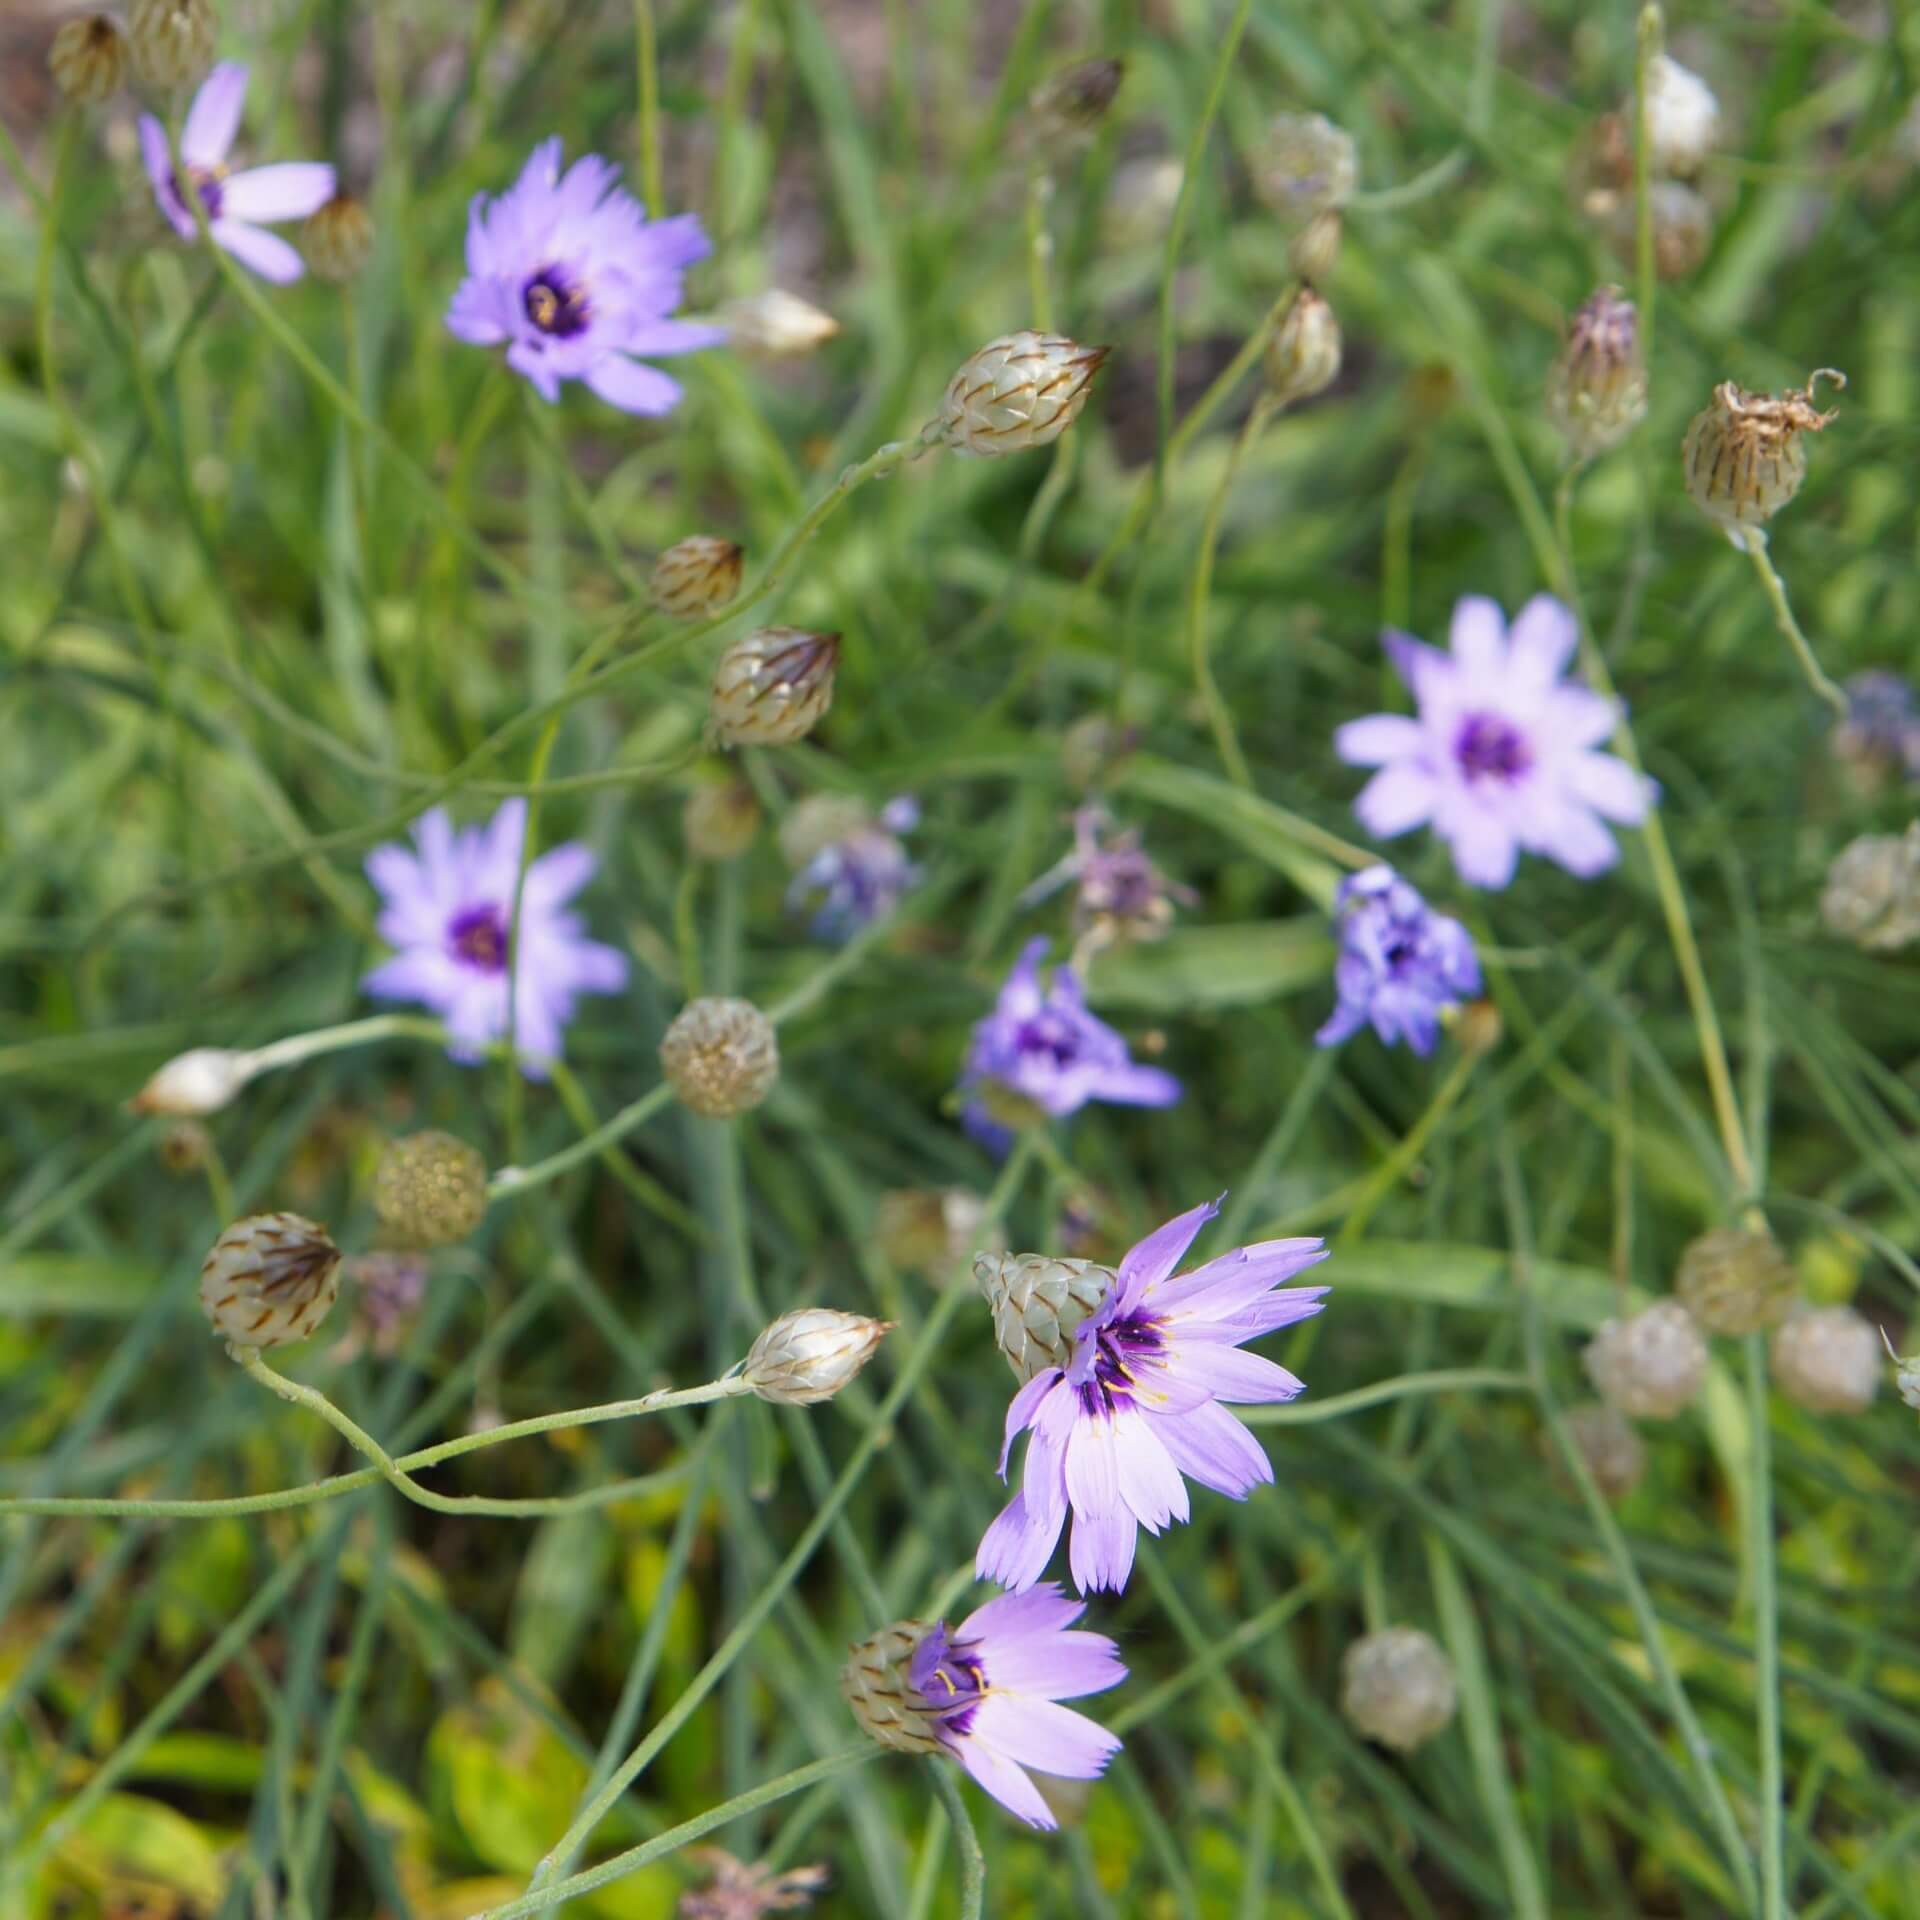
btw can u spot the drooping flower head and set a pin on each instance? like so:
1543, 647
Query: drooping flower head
859, 876
1040, 1049
449, 910
1143, 1400
1502, 754
1401, 964
235, 203
566, 272
987, 1692
1119, 893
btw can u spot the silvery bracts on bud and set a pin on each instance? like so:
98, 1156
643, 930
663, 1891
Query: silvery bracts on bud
1597, 389
808, 1355
201, 1080
772, 686
1020, 391
1308, 166
429, 1190
339, 238
1906, 1372
721, 819
720, 1056
1827, 1359
1304, 352
697, 577
88, 59
172, 41
1650, 1365
1683, 118
269, 1280
776, 323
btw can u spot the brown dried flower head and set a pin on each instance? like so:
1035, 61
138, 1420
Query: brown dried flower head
338, 238
1019, 391
88, 59
1682, 224
1306, 166
1397, 1687
269, 1279
1037, 1300
1303, 356
929, 1229
697, 576
430, 1190
720, 1056
876, 1686
1742, 455
1736, 1280
808, 1355
1597, 390
1606, 1440
172, 41
772, 686
742, 1890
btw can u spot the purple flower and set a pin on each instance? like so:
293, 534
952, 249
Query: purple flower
859, 878
233, 201
1401, 964
1042, 1047
449, 910
1144, 1401
1119, 892
991, 1686
567, 272
1502, 754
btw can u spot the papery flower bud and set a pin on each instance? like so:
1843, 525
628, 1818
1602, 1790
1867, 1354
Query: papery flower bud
1597, 390
202, 1080
1733, 1280
817, 822
928, 1230
1872, 893
1019, 391
1650, 1365
1682, 223
88, 59
430, 1190
269, 1279
1683, 118
1606, 1440
1303, 354
1037, 1301
720, 1056
1827, 1360
1071, 104
1742, 455
876, 1684
172, 41
720, 820
697, 576
1600, 168
338, 238
772, 686
1397, 1687
777, 323
1306, 165
808, 1355
1906, 1372
1312, 251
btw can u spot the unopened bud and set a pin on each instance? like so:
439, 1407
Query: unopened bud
772, 686
1306, 166
777, 323
1743, 458
430, 1190
697, 576
1397, 1687
1650, 1365
1477, 1027
1070, 105
808, 1355
201, 1080
172, 41
1827, 1360
720, 819
820, 821
1312, 251
1682, 225
1683, 118
1303, 355
1734, 1280
1019, 391
269, 1280
1605, 1439
720, 1056
1872, 894
1597, 390
876, 1683
1906, 1372
1037, 1301
88, 59
338, 238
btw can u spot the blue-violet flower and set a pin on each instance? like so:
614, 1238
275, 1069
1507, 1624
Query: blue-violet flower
1401, 965
858, 878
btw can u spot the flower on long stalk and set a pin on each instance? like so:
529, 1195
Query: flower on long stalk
235, 203
1401, 965
857, 877
1143, 1400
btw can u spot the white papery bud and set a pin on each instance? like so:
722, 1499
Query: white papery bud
1828, 1360
1397, 1687
199, 1081
1683, 118
1019, 391
1303, 356
269, 1279
1872, 893
808, 1355
777, 323
1307, 166
1650, 1365
772, 686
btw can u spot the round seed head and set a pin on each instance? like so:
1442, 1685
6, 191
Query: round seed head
720, 1056
1037, 1301
1608, 1442
202, 1080
1828, 1360
808, 1355
1306, 166
772, 686
777, 323
1735, 1281
1303, 355
1597, 390
430, 1190
697, 576
1312, 251
172, 41
1683, 118
1651, 1365
269, 1280
876, 1686
1872, 895
1397, 1687
720, 819
88, 59
1742, 455
1019, 391
338, 238
820, 821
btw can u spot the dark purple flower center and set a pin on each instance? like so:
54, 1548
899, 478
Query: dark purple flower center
1490, 747
1114, 1383
1048, 1035
478, 938
206, 183
556, 303
950, 1678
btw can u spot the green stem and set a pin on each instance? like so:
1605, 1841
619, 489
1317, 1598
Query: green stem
1766, 1633
973, 1865
646, 61
1646, 50
1776, 592
1387, 1175
1407, 1386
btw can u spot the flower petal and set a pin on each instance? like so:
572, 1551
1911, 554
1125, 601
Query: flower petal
1397, 798
1235, 1280
1149, 1482
289, 191
632, 386
998, 1775
1235, 1376
1100, 1552
214, 118
1610, 787
1541, 642
1148, 1264
1040, 1613
1485, 850
1024, 1409
1379, 739
1478, 639
1048, 1738
258, 250
1209, 1445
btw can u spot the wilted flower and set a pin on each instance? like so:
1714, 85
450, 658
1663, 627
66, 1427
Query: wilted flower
1072, 104
1401, 965
1742, 455
1306, 166
339, 238
1019, 391
1143, 1400
1828, 1360
430, 1189
1880, 737
1502, 754
929, 1229
856, 877
1041, 1052
234, 203
448, 908
738, 1891
1607, 1441
1303, 355
1650, 1365
88, 58
720, 819
1683, 118
808, 1355
269, 1280
1119, 894
697, 576
1736, 1280
568, 273
1397, 1687
985, 1692
172, 40
1872, 895
720, 1056
1682, 223
201, 1080
772, 686
777, 323
1597, 390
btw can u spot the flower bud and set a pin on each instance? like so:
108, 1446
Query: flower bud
1650, 1365
1477, 1027
720, 819
1872, 894
1683, 118
172, 41
777, 323
1682, 225
1597, 390
820, 821
772, 686
1906, 1372
928, 1230
1742, 455
1306, 166
1019, 391
269, 1279
876, 1684
808, 1355
1733, 1280
697, 576
430, 1190
202, 1080
1397, 1687
1303, 354
1606, 1440
338, 238
88, 59
1037, 1301
1312, 251
1827, 1360
720, 1056
1072, 104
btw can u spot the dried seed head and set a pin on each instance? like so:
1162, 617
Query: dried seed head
1683, 118
720, 1056
1872, 895
269, 1279
1736, 1281
1828, 1360
1303, 355
1742, 455
720, 819
1306, 166
1651, 1365
430, 1190
820, 821
172, 41
697, 576
1682, 224
1312, 251
1019, 391
1037, 1301
772, 686
202, 1080
338, 238
928, 1230
1607, 1441
743, 1890
808, 1355
777, 323
1597, 390
88, 59
1397, 1687
1072, 104
876, 1684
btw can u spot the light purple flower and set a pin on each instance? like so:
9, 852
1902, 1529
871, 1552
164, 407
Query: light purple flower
1501, 755
991, 1686
568, 273
860, 878
234, 202
449, 908
1401, 964
1144, 1401
1042, 1046
1118, 891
